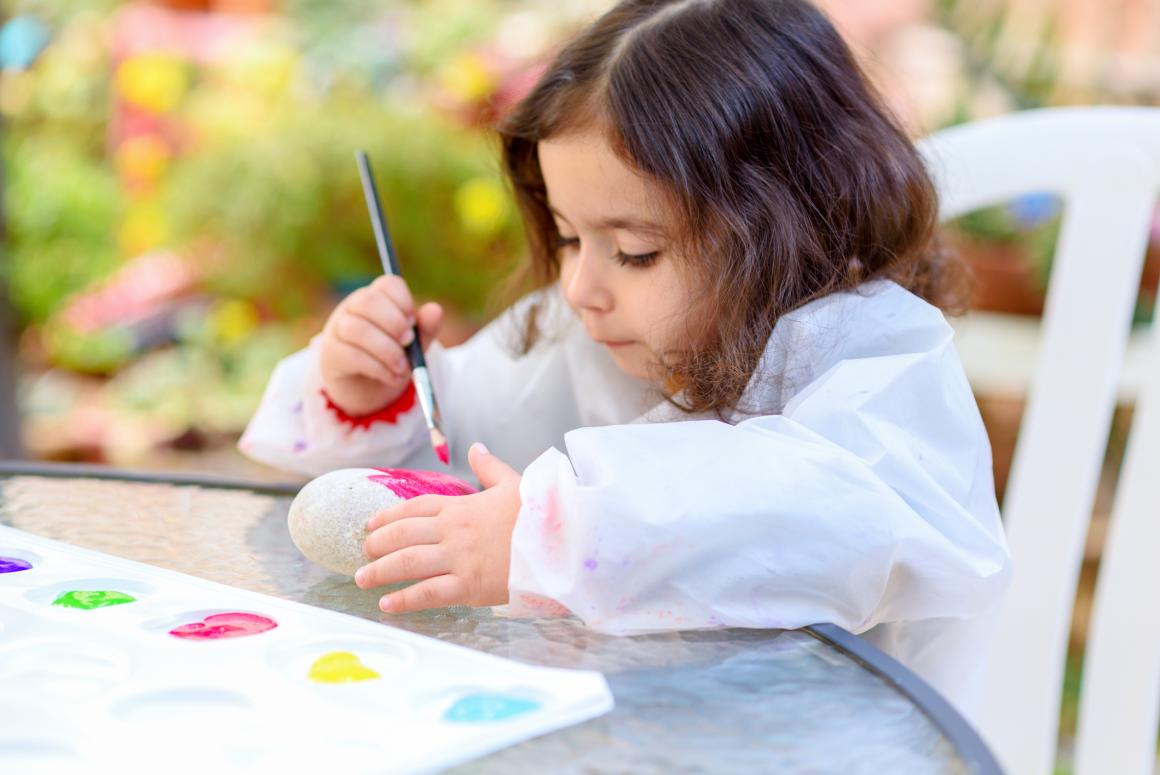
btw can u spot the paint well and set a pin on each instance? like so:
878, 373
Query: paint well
477, 708
340, 667
14, 565
88, 599
232, 624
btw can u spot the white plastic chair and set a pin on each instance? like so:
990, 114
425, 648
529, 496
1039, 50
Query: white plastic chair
1105, 164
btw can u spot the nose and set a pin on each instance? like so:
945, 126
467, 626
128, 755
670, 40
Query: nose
584, 284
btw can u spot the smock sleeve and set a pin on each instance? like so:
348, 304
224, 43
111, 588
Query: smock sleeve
868, 499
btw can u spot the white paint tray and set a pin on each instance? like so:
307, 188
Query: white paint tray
112, 688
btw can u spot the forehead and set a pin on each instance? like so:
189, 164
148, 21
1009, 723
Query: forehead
588, 183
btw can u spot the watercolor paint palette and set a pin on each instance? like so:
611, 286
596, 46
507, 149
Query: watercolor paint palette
107, 664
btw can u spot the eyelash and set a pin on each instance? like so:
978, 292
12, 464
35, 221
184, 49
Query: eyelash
639, 261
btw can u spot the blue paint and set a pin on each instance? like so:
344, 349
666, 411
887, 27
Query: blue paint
476, 708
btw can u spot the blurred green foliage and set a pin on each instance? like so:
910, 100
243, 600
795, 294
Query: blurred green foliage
280, 211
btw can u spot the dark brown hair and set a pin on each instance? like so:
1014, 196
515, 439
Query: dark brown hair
790, 179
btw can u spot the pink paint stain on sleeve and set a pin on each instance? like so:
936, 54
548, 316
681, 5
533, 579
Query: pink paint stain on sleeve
529, 605
551, 526
409, 484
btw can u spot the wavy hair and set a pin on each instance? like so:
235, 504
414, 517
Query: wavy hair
790, 179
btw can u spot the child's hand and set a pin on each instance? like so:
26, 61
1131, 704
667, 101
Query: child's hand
364, 366
458, 547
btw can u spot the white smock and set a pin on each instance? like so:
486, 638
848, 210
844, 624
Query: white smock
862, 495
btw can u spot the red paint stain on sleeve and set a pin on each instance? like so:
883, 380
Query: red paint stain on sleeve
389, 414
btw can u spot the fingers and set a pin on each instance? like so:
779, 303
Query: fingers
419, 506
349, 359
395, 290
383, 310
488, 468
363, 335
430, 317
399, 535
413, 562
437, 592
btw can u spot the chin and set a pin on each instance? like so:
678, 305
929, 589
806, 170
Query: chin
632, 366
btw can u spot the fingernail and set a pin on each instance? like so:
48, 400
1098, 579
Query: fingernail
360, 576
408, 336
385, 603
481, 448
401, 364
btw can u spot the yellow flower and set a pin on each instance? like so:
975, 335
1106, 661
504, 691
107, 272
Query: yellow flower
482, 206
143, 158
143, 228
467, 78
155, 82
232, 320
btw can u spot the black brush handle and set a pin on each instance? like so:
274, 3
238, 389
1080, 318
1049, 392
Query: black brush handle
387, 254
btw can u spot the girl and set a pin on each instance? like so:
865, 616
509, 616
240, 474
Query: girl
730, 400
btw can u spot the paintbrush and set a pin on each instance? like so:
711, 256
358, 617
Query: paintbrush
419, 374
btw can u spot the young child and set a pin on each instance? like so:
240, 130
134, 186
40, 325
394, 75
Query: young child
730, 399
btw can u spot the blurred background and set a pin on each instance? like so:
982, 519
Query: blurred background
181, 206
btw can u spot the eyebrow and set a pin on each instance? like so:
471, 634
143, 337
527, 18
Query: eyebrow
626, 224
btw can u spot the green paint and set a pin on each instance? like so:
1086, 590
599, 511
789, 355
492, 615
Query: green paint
89, 599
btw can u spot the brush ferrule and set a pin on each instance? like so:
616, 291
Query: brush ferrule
422, 381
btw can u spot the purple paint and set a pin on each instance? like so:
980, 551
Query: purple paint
409, 484
14, 565
591, 563
299, 446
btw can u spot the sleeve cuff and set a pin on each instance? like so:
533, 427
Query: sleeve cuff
389, 414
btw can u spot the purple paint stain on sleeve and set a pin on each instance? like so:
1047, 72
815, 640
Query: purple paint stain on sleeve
409, 484
297, 408
591, 563
299, 446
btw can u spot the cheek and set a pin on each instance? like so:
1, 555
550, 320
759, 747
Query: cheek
664, 306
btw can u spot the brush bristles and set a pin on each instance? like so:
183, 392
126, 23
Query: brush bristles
439, 444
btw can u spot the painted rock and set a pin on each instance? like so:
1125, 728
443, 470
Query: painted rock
328, 517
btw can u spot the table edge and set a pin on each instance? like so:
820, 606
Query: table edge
965, 739
97, 471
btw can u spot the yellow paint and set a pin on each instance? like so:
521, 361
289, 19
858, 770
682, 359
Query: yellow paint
339, 667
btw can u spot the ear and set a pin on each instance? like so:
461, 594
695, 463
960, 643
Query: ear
489, 468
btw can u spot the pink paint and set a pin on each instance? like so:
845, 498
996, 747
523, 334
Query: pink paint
409, 484
527, 604
444, 454
227, 625
551, 527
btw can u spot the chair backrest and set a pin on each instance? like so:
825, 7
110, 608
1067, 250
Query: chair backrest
1105, 165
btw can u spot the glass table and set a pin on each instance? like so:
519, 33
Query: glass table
736, 701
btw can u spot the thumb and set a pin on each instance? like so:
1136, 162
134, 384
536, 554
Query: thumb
489, 468
430, 319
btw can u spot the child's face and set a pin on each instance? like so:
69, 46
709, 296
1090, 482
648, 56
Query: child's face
617, 267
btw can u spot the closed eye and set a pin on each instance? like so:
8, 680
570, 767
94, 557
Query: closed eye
639, 260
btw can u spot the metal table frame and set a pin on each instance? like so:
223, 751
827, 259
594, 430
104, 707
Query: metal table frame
953, 726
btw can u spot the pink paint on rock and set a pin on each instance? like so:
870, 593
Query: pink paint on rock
409, 484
